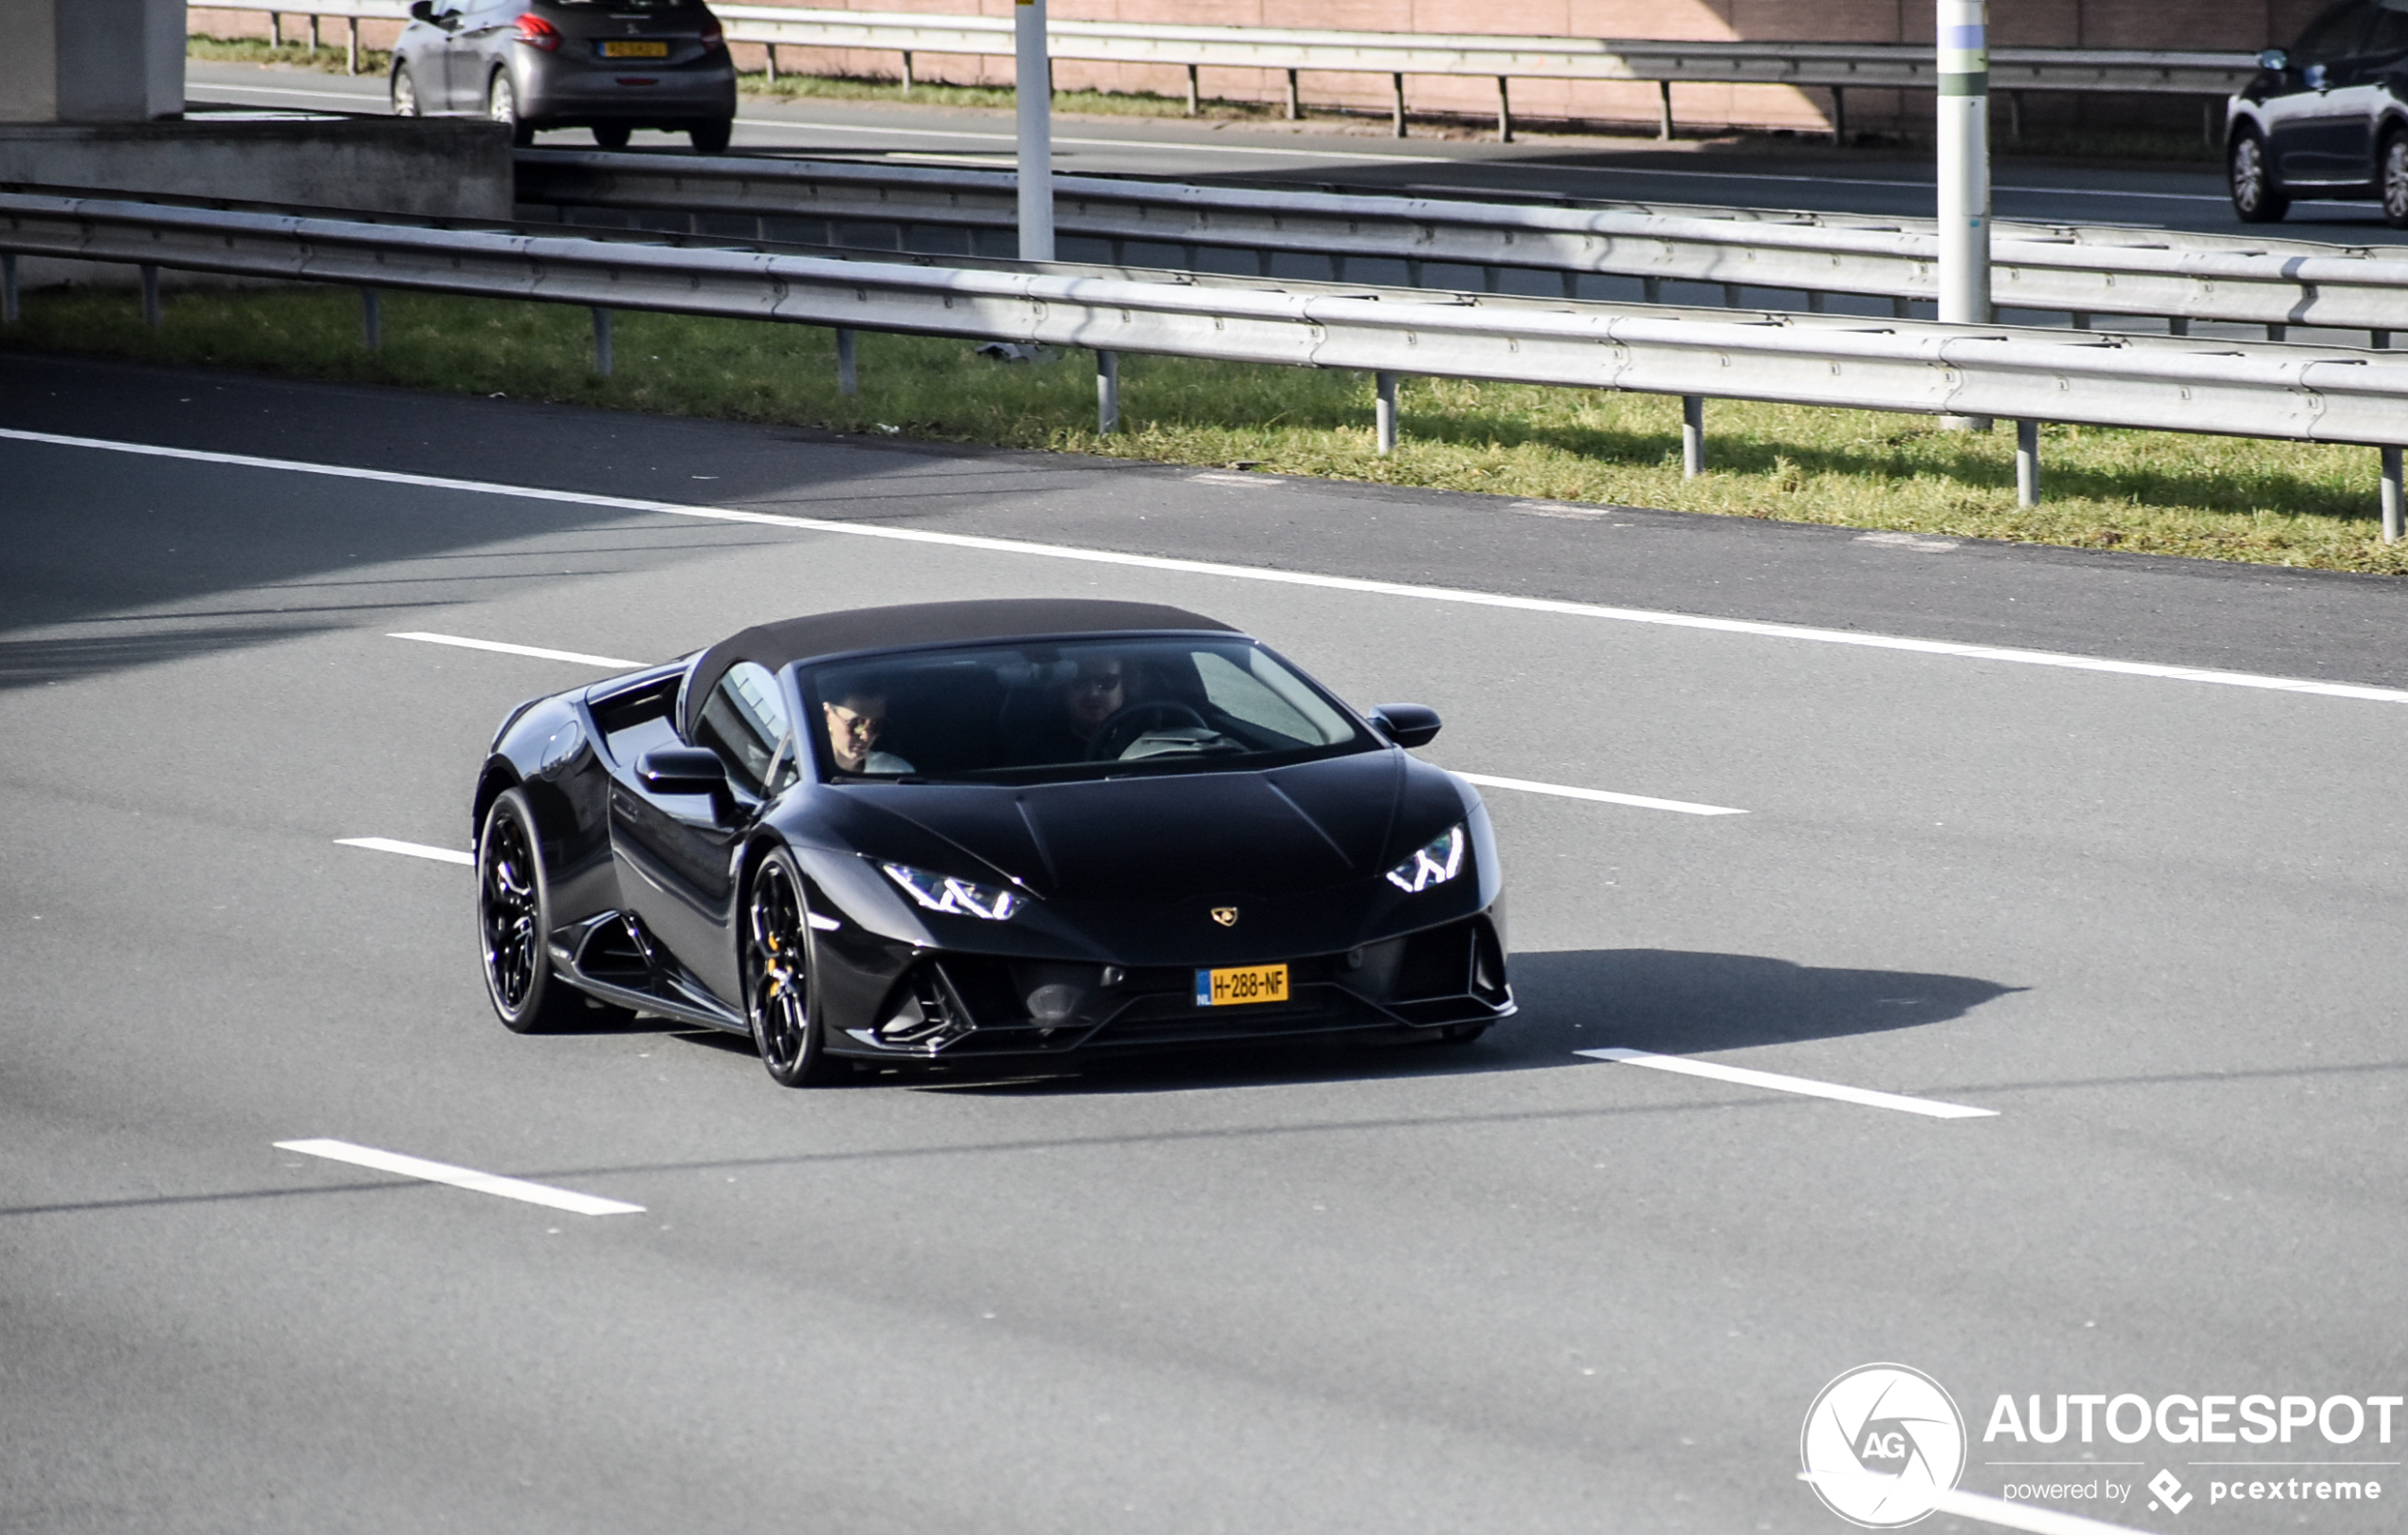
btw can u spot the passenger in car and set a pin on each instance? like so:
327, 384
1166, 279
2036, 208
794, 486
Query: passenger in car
854, 723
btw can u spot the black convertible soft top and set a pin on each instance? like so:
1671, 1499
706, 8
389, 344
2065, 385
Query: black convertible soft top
790, 640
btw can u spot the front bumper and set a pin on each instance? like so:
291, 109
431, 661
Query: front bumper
941, 1005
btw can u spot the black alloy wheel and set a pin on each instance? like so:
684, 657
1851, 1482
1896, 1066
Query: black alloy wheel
502, 105
2392, 165
778, 979
512, 917
2255, 196
404, 92
612, 134
711, 134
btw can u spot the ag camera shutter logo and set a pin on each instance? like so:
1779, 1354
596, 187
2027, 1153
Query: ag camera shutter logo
1881, 1443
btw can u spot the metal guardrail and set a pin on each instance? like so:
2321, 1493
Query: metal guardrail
2082, 270
2298, 392
1836, 66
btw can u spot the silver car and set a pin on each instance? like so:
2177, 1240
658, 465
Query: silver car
609, 65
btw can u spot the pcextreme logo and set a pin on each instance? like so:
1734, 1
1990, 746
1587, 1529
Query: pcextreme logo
1881, 1443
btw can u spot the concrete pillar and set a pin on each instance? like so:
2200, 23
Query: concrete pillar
91, 61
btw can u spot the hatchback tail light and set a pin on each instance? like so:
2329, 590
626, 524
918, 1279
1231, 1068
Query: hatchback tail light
537, 33
712, 36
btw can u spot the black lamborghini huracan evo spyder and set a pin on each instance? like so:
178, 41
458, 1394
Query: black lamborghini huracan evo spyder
984, 831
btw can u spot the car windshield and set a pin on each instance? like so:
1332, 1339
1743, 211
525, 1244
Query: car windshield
1043, 712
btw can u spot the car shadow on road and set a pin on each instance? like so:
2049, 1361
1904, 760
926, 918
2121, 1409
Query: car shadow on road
1672, 1001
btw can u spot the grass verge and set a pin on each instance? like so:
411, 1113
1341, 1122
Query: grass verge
2267, 503
327, 58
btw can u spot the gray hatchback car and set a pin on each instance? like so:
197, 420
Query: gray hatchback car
609, 65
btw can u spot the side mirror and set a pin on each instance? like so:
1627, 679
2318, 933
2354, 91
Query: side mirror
2274, 59
422, 10
682, 770
1407, 725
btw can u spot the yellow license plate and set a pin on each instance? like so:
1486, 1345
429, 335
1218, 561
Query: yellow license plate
635, 51
1247, 984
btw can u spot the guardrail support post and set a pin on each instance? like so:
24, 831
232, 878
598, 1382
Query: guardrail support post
2081, 319
1732, 295
2015, 116
1033, 104
2391, 494
1838, 114
371, 319
1652, 289
907, 81
1693, 436
2278, 333
351, 45
1107, 393
1194, 96
2027, 463
8, 290
1505, 111
1663, 109
1384, 412
602, 340
848, 362
275, 28
1397, 84
313, 31
2179, 325
1817, 301
2378, 340
1295, 106
150, 296
768, 69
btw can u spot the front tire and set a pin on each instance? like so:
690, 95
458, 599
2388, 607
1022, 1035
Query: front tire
711, 136
513, 915
2256, 196
502, 105
778, 994
404, 92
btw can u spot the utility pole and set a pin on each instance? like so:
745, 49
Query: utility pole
1032, 99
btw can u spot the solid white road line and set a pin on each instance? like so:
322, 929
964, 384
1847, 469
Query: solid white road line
1601, 796
2024, 1516
535, 651
1684, 1065
411, 850
462, 1177
1235, 573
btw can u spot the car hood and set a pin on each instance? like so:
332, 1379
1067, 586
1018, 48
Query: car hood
1155, 837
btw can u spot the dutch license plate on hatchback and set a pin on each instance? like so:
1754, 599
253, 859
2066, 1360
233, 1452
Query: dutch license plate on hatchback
635, 51
1243, 984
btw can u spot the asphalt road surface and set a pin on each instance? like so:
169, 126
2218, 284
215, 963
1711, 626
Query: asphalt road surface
1751, 173
2006, 846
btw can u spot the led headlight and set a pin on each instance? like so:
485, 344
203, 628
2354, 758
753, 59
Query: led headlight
1435, 862
943, 892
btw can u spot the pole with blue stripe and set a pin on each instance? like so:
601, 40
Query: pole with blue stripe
1965, 169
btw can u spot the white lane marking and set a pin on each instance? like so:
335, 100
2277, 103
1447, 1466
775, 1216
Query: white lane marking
1684, 1065
535, 651
408, 849
2023, 1516
1242, 573
462, 1177
1601, 796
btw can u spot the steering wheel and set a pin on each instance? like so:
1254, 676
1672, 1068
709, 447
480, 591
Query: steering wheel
1119, 733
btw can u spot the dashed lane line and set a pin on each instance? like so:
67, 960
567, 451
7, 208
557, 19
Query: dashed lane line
463, 1177
1685, 1066
535, 651
1604, 797
408, 849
